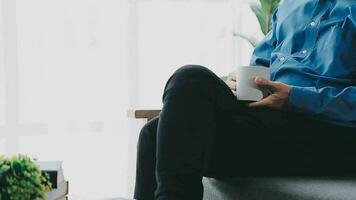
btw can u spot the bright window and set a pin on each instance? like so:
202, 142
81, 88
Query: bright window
82, 63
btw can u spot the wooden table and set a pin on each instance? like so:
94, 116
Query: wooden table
143, 113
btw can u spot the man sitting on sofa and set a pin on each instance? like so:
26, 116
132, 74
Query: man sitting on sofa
307, 126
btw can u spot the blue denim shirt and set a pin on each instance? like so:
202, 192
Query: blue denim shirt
312, 48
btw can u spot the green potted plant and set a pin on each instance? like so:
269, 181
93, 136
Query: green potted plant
263, 11
21, 179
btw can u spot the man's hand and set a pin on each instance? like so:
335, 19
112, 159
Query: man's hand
279, 97
231, 82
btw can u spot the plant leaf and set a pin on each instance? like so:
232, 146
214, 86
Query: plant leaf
268, 7
253, 41
257, 9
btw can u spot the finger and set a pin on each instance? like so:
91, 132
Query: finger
232, 85
232, 76
264, 83
264, 102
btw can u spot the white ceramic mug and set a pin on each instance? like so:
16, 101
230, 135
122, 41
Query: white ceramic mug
246, 87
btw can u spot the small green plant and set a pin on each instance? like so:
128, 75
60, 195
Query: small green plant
21, 179
263, 11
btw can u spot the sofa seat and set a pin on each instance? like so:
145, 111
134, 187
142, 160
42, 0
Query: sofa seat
281, 188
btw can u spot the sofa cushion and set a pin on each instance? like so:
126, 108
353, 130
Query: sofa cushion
281, 188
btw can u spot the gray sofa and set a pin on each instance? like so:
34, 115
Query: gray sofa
276, 188
283, 188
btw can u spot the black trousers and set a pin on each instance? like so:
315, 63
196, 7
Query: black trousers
204, 131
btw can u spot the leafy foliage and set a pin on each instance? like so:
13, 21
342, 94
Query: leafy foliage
21, 179
263, 11
251, 40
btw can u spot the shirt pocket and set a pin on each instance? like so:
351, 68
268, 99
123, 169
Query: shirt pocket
336, 47
335, 33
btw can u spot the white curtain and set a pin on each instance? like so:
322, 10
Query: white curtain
70, 69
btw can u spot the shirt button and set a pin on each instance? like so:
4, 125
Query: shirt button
312, 24
282, 58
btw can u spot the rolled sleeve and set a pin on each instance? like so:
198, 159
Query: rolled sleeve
298, 97
328, 103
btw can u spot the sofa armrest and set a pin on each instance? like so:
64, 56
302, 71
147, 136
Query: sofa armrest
142, 114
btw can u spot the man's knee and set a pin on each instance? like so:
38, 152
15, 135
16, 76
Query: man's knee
191, 74
148, 134
193, 69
